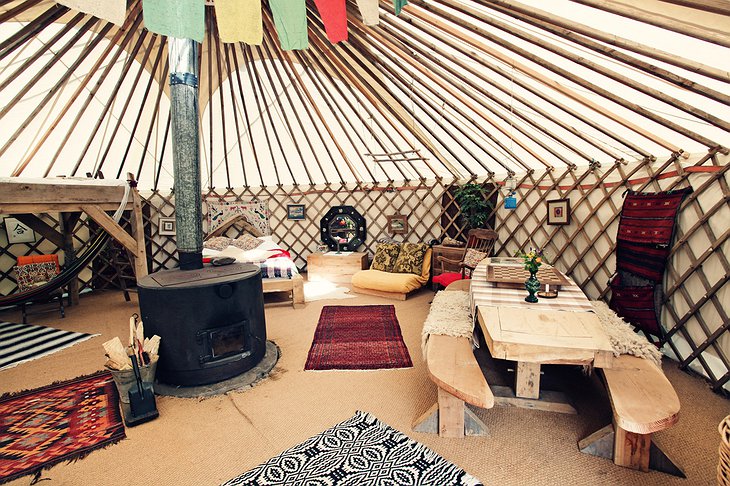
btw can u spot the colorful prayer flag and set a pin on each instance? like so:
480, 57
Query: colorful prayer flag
334, 18
113, 11
399, 4
184, 19
239, 21
369, 11
290, 19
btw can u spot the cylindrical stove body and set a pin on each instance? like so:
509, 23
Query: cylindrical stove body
211, 322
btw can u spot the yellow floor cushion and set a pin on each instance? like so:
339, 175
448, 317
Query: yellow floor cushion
393, 282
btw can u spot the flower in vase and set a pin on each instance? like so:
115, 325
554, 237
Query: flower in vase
532, 259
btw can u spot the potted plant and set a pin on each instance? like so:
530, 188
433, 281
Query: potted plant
475, 208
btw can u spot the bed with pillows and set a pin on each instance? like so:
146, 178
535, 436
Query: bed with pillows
398, 269
278, 271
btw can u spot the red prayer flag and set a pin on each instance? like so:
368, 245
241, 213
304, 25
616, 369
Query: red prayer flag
334, 17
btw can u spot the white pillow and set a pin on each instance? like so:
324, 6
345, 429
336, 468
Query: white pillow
268, 244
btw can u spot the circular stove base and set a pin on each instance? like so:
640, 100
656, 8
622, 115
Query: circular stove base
244, 380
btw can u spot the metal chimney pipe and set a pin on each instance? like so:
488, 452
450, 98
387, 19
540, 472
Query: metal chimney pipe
183, 57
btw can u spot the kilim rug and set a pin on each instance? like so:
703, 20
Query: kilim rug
24, 342
360, 451
60, 422
365, 337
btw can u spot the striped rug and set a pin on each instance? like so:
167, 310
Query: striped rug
23, 342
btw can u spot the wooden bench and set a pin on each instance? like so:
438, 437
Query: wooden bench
643, 402
455, 371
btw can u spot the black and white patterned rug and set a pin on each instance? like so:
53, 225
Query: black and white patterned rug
23, 342
359, 451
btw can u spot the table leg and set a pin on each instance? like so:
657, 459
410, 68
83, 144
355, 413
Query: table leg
527, 380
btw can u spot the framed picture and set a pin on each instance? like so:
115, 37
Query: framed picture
558, 211
295, 211
18, 232
166, 227
397, 224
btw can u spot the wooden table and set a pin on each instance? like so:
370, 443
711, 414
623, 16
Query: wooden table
335, 267
549, 332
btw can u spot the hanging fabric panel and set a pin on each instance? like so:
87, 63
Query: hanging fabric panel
290, 20
239, 21
184, 19
114, 11
334, 17
369, 11
398, 5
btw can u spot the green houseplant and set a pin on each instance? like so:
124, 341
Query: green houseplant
475, 208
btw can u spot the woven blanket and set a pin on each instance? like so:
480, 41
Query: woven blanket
360, 451
645, 231
449, 315
23, 342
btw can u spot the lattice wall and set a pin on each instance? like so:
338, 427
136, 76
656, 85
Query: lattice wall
695, 284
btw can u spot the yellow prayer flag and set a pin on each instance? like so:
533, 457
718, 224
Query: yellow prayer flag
239, 21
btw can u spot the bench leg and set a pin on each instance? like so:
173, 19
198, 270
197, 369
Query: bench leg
629, 449
450, 417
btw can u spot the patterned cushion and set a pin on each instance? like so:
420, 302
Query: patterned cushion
410, 258
246, 242
34, 274
217, 243
472, 257
452, 242
385, 257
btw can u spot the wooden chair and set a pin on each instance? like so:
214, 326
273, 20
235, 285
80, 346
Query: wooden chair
34, 271
479, 241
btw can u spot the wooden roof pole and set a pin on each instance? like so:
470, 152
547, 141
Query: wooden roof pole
268, 111
302, 92
444, 34
384, 99
32, 28
539, 77
314, 74
464, 87
121, 47
52, 92
658, 20
391, 47
128, 99
448, 87
217, 42
160, 50
340, 53
245, 51
229, 67
289, 128
625, 80
540, 19
234, 51
18, 9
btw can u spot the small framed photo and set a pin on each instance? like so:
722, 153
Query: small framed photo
295, 211
18, 232
558, 211
166, 227
397, 224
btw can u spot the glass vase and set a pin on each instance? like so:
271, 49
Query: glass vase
532, 285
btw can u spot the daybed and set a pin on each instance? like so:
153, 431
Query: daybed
278, 271
393, 271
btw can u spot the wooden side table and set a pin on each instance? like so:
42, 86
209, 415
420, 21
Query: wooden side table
335, 267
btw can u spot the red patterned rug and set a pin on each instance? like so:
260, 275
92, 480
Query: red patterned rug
60, 422
365, 337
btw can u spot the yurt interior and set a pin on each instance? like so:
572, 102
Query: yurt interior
364, 242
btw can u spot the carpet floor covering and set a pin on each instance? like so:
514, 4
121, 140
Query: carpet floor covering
207, 442
351, 337
60, 422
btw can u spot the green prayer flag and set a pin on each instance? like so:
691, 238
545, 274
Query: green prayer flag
290, 19
184, 19
399, 4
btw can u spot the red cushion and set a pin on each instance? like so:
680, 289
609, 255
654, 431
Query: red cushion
446, 278
25, 260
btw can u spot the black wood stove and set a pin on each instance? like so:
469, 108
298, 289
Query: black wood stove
211, 321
